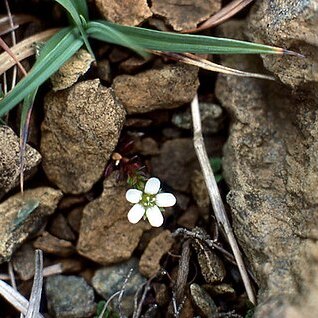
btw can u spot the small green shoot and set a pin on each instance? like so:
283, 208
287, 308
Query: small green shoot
216, 165
24, 212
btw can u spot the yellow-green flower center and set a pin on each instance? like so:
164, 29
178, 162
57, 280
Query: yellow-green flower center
148, 200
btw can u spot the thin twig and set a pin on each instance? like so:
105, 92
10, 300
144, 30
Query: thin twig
215, 196
12, 277
14, 42
121, 294
107, 303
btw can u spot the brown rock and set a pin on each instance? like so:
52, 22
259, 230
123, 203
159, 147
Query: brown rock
70, 265
189, 218
185, 14
104, 71
146, 146
199, 190
70, 72
52, 245
128, 12
10, 160
167, 87
80, 130
149, 263
23, 215
134, 64
270, 164
291, 25
60, 228
74, 218
175, 163
106, 236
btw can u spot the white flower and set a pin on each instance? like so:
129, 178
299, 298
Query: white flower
148, 203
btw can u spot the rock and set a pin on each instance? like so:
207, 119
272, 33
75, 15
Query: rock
70, 72
270, 164
69, 297
60, 228
52, 245
203, 301
211, 266
17, 222
71, 265
23, 261
223, 289
183, 14
167, 87
109, 280
149, 264
189, 218
10, 160
106, 236
74, 219
199, 190
128, 12
146, 146
212, 118
177, 158
290, 24
104, 70
134, 64
80, 131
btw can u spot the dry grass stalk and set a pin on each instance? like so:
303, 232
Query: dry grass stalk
221, 16
215, 196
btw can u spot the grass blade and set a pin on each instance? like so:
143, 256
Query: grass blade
14, 298
107, 33
24, 130
81, 8
178, 43
35, 297
192, 59
74, 10
221, 16
54, 54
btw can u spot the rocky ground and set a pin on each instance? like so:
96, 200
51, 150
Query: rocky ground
265, 132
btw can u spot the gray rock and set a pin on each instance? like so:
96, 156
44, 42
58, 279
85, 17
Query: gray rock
290, 24
184, 15
80, 130
109, 280
211, 118
128, 12
106, 236
18, 219
270, 164
164, 88
10, 160
69, 297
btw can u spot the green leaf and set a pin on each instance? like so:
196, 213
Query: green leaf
77, 12
174, 42
216, 164
54, 54
81, 8
106, 33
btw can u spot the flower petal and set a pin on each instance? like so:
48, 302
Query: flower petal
136, 213
154, 216
164, 200
133, 195
152, 186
